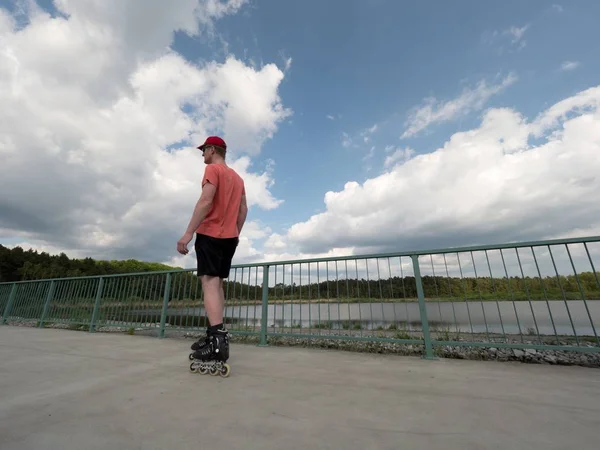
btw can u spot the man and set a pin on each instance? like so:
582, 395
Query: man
217, 221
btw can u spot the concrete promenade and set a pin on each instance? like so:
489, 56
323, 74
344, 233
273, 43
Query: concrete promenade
68, 390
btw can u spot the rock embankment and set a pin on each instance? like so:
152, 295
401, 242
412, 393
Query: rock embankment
491, 353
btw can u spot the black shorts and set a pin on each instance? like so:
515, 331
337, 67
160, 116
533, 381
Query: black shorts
214, 255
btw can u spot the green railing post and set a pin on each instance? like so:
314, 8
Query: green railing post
265, 307
96, 305
47, 303
163, 314
11, 299
422, 309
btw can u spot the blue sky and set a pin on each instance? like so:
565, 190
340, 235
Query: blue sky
370, 62
376, 89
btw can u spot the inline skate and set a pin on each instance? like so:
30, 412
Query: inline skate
211, 355
199, 344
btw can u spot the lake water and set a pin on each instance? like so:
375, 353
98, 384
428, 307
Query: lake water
467, 317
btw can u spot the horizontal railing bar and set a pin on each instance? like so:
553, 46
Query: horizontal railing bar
433, 251
112, 275
513, 245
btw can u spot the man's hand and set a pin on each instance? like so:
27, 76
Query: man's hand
183, 243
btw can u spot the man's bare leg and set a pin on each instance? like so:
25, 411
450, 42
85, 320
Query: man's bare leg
216, 345
214, 304
214, 298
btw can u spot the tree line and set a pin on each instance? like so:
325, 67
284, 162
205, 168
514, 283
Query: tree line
186, 286
517, 288
17, 264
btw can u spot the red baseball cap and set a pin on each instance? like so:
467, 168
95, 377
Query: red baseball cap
213, 140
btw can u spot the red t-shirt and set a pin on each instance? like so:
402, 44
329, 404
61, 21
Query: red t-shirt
221, 220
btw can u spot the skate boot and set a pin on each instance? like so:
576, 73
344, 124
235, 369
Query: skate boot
212, 357
199, 345
202, 343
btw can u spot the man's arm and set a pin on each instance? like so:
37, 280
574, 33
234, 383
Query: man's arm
201, 210
242, 213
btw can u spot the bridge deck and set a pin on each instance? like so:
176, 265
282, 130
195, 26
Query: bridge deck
73, 390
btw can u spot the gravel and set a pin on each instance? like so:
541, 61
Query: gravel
532, 356
491, 353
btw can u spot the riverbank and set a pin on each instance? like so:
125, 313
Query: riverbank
491, 353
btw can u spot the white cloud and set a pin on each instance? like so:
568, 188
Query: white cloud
288, 65
433, 111
369, 155
275, 242
360, 139
284, 251
582, 102
366, 134
514, 35
484, 185
400, 156
569, 65
91, 104
346, 140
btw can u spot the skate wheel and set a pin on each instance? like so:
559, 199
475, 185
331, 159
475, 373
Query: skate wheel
191, 356
213, 371
225, 370
193, 368
203, 370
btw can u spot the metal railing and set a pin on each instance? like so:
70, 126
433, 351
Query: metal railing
532, 295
